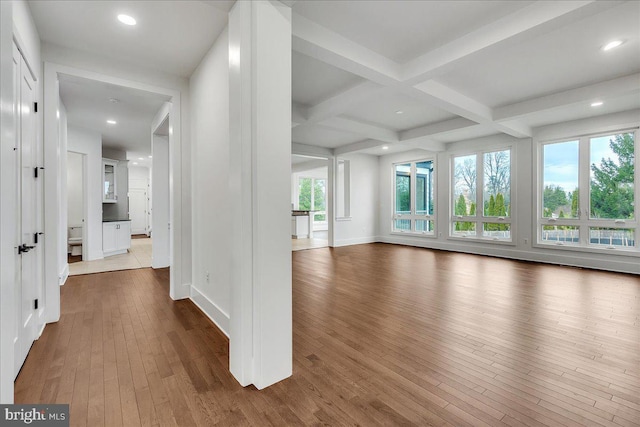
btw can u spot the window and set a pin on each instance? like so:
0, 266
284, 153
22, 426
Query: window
588, 192
312, 196
414, 197
491, 173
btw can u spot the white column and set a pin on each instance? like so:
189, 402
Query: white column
260, 190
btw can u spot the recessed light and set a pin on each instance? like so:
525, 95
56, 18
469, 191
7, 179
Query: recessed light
150, 157
596, 104
135, 163
399, 112
111, 122
612, 45
114, 100
385, 147
140, 158
126, 19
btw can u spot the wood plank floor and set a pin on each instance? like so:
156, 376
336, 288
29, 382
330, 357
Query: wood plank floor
383, 335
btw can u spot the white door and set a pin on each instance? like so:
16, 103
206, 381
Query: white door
138, 210
26, 207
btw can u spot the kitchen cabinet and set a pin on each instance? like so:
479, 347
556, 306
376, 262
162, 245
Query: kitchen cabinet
116, 237
109, 186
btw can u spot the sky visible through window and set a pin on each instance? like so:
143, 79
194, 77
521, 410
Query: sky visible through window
561, 161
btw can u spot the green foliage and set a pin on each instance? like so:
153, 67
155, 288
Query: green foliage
403, 193
461, 210
612, 185
575, 203
304, 194
553, 197
472, 209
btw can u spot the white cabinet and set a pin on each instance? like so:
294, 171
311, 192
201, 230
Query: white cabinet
109, 174
116, 237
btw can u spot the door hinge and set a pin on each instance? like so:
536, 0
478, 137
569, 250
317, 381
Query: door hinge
35, 304
36, 171
35, 107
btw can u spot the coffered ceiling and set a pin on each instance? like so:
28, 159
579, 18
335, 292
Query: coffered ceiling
399, 74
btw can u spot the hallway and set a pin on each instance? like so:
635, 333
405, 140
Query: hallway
383, 334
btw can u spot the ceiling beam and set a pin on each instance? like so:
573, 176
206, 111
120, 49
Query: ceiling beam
341, 102
311, 150
298, 114
436, 128
360, 128
312, 39
628, 85
357, 146
519, 22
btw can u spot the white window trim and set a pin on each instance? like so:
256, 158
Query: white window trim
346, 189
412, 216
480, 219
584, 222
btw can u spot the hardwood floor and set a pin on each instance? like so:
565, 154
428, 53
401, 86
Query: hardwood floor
383, 335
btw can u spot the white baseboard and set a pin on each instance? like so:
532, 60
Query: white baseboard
357, 241
548, 256
64, 275
211, 310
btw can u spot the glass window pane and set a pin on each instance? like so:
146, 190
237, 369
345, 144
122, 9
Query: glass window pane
403, 189
497, 184
304, 194
560, 195
402, 225
612, 237
464, 187
424, 226
560, 234
496, 231
612, 183
424, 188
464, 228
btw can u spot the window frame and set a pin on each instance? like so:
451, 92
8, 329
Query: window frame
480, 219
584, 222
413, 216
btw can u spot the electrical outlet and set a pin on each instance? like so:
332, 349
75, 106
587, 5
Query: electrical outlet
207, 277
440, 234
526, 241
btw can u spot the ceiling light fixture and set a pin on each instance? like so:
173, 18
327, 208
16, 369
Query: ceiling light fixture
385, 147
111, 122
135, 163
150, 157
126, 19
140, 158
612, 45
596, 104
399, 112
114, 100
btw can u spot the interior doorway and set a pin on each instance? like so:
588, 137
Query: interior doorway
310, 200
76, 207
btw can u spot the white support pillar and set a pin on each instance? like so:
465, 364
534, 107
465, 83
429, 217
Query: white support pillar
260, 187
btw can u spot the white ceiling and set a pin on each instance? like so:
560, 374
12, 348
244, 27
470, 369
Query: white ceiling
456, 69
88, 104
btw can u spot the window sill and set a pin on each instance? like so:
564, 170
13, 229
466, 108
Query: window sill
482, 240
632, 252
414, 234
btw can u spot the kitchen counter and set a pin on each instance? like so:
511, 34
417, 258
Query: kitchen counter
115, 220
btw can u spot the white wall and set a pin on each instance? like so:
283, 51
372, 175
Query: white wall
161, 246
63, 266
523, 194
89, 142
362, 227
210, 158
75, 185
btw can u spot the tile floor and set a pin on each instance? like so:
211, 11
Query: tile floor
139, 256
320, 240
